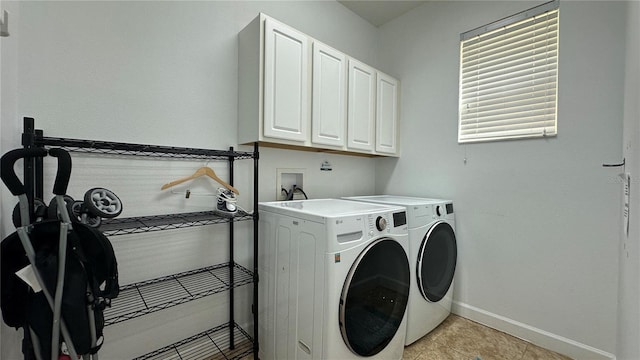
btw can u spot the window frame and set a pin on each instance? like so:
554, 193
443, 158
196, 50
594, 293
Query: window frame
486, 83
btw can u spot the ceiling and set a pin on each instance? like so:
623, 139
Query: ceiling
379, 12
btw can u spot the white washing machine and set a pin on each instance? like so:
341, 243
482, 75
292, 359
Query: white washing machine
334, 280
433, 256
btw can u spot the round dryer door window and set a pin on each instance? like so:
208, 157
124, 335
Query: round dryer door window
374, 297
437, 261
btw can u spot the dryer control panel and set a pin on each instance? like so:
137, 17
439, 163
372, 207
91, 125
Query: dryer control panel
444, 210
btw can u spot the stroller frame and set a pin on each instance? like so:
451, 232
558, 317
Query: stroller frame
25, 207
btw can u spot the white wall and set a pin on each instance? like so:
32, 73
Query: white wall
161, 73
629, 295
9, 131
537, 220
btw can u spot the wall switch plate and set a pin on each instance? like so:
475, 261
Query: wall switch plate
285, 179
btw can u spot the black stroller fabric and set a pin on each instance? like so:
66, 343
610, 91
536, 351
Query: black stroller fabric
90, 271
91, 278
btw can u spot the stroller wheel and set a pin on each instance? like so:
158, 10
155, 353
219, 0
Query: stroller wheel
78, 210
103, 203
53, 212
39, 208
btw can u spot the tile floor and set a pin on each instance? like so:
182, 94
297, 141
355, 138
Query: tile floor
460, 339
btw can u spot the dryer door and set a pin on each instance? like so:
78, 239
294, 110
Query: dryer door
436, 263
374, 297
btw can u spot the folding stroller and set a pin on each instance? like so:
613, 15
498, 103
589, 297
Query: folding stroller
73, 265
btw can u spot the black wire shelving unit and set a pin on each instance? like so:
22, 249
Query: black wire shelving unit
212, 344
154, 295
142, 224
226, 341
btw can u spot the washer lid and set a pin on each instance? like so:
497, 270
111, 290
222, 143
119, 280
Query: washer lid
420, 211
374, 297
318, 209
436, 263
397, 200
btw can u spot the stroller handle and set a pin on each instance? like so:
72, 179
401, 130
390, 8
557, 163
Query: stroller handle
7, 162
64, 170
14, 184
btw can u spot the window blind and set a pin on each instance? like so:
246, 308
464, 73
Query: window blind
509, 77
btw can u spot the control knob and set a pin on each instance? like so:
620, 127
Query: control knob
381, 223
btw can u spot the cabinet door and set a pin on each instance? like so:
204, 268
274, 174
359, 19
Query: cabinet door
328, 119
387, 114
286, 77
361, 113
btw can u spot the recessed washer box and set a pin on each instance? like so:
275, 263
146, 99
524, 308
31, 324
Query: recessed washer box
285, 179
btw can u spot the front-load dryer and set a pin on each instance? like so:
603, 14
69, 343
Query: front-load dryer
432, 256
334, 280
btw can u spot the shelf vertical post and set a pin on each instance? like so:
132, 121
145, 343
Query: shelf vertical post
28, 141
39, 172
256, 157
231, 263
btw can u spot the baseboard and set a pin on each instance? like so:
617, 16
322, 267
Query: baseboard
536, 336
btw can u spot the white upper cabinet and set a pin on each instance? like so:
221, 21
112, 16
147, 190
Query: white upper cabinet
328, 119
274, 84
286, 76
362, 106
387, 114
298, 93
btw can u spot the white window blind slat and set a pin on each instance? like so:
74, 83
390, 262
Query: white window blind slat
506, 47
512, 75
509, 118
545, 101
540, 127
540, 57
502, 60
527, 84
538, 121
515, 133
489, 103
508, 78
510, 35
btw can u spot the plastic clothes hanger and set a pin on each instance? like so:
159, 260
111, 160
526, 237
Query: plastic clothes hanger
203, 171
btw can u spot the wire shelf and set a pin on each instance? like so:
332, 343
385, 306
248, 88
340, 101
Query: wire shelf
212, 344
154, 295
142, 224
118, 148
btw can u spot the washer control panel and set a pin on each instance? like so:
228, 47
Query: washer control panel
381, 223
387, 223
348, 229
